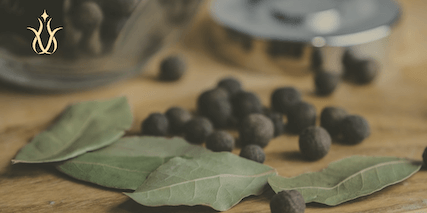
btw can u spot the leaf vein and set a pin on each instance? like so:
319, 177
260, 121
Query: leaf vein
106, 165
351, 176
215, 176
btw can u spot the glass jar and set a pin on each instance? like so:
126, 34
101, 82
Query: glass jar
282, 36
62, 45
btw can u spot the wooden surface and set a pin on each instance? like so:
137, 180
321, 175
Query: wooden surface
395, 106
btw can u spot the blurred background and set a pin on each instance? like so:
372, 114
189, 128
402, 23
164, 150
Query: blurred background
212, 46
107, 49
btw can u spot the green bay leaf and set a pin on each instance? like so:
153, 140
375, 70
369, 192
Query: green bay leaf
81, 128
126, 163
220, 180
347, 179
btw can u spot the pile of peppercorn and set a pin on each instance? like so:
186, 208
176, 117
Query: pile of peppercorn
229, 106
90, 27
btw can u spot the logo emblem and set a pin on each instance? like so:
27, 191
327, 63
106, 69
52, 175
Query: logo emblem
37, 40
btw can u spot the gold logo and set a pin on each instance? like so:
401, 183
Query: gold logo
37, 39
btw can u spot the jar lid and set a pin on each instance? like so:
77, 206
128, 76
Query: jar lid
320, 22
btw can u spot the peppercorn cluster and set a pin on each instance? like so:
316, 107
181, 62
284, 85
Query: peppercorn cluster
89, 27
356, 69
228, 106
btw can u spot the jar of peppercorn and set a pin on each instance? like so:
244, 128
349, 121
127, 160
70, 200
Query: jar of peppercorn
62, 45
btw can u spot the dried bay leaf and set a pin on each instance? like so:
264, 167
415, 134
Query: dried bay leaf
126, 163
220, 180
81, 128
347, 179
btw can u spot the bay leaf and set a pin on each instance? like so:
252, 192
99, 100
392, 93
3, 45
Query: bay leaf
126, 163
220, 180
347, 179
82, 127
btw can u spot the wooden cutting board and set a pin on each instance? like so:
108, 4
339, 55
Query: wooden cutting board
395, 106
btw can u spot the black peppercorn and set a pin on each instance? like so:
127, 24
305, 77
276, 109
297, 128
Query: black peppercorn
256, 129
287, 202
316, 60
215, 105
365, 71
330, 119
155, 124
360, 71
86, 16
425, 157
172, 68
197, 130
314, 143
230, 84
253, 152
277, 120
301, 116
177, 117
220, 141
245, 103
325, 83
282, 99
348, 58
354, 129
232, 122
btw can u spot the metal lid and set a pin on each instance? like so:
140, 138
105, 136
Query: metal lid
320, 22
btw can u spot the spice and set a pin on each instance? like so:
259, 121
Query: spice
314, 143
155, 124
256, 129
230, 84
325, 83
220, 141
245, 103
277, 120
197, 130
316, 59
365, 71
282, 99
233, 122
177, 117
253, 152
301, 116
330, 119
287, 202
86, 16
215, 105
360, 71
354, 129
172, 68
348, 58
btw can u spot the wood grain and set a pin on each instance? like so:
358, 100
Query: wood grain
395, 106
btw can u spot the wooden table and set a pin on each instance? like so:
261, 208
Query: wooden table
395, 106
